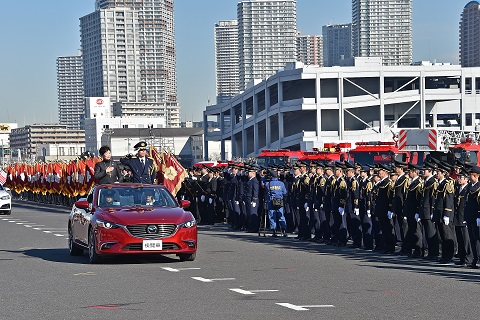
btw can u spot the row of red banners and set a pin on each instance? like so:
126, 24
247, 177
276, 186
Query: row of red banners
76, 178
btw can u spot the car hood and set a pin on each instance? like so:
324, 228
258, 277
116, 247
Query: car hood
4, 193
143, 215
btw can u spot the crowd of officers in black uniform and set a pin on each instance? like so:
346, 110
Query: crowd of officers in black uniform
431, 212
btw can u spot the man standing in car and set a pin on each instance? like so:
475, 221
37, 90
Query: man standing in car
144, 169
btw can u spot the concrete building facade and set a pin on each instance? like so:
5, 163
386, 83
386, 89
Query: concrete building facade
383, 28
26, 139
307, 105
470, 35
71, 107
226, 60
267, 32
310, 49
129, 53
337, 43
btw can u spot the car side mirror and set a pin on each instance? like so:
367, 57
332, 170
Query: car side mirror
7, 189
184, 204
82, 204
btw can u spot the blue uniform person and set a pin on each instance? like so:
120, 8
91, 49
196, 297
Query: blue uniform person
144, 169
275, 193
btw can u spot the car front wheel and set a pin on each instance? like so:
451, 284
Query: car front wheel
93, 256
187, 257
74, 249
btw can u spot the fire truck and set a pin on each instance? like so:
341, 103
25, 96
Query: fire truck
444, 145
374, 152
330, 152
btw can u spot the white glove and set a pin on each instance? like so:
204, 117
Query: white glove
390, 215
431, 216
417, 217
446, 220
341, 211
237, 203
220, 199
369, 215
478, 222
321, 206
306, 206
254, 204
357, 211
210, 200
202, 198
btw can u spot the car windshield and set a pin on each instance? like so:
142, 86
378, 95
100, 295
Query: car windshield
135, 196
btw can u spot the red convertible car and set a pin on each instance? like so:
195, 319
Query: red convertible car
131, 219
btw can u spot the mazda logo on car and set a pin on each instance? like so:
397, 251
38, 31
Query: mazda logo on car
152, 229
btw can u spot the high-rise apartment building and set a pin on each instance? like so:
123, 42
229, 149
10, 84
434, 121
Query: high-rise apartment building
226, 60
383, 28
266, 37
470, 35
310, 49
337, 43
70, 91
129, 53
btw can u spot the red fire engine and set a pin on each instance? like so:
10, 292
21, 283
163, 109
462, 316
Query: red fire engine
378, 152
330, 152
444, 145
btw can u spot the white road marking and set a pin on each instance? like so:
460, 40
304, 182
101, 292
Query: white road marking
304, 308
59, 235
37, 228
250, 292
211, 280
89, 273
26, 225
179, 269
19, 222
46, 231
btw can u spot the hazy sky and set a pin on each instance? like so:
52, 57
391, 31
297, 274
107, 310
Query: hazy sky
35, 32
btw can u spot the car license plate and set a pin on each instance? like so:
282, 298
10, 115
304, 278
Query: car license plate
152, 245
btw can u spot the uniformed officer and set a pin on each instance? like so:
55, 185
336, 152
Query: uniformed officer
364, 206
472, 216
338, 211
275, 193
251, 199
383, 209
413, 238
352, 216
425, 214
318, 194
399, 196
443, 212
144, 169
326, 225
461, 231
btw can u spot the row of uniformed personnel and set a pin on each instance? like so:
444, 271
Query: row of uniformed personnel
423, 208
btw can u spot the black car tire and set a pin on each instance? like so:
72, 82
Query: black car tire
75, 249
93, 256
9, 212
187, 257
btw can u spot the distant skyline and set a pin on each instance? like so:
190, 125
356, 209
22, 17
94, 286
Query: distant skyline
35, 33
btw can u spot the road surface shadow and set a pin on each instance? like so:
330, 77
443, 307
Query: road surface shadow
63, 256
364, 258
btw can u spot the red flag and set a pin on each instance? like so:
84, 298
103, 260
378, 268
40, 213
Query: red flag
173, 173
158, 158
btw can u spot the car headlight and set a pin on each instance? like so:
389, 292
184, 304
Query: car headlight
107, 224
189, 224
7, 197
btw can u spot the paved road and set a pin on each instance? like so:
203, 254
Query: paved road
235, 276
